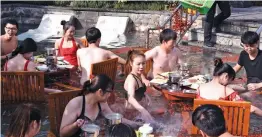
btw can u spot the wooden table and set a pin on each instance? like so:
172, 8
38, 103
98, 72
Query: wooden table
177, 95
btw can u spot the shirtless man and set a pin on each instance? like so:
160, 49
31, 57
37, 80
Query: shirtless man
93, 54
8, 40
166, 56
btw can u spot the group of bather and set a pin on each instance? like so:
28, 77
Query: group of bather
92, 105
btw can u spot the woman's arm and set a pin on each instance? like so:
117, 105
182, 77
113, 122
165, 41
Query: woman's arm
79, 43
130, 88
70, 124
57, 46
256, 110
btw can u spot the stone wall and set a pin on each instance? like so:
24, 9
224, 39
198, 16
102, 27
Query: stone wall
29, 16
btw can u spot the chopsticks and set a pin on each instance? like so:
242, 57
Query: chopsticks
162, 75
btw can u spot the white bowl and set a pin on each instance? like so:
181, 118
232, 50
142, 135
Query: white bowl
42, 68
40, 59
61, 66
60, 58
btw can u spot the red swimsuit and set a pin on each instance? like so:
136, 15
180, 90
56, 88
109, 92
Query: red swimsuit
69, 54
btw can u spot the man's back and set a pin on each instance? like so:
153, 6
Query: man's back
88, 56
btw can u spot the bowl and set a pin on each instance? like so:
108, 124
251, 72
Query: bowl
42, 68
61, 66
41, 60
174, 78
90, 129
113, 118
50, 51
60, 58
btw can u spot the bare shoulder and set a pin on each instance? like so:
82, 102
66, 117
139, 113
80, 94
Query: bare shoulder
152, 52
229, 90
31, 66
58, 40
81, 51
130, 79
75, 102
155, 49
78, 41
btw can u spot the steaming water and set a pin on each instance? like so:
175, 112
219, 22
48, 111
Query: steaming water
167, 124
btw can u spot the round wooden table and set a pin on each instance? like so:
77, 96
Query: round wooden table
177, 95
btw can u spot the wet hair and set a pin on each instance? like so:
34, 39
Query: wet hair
28, 45
66, 25
131, 54
250, 38
100, 81
167, 34
92, 35
21, 119
11, 21
121, 130
221, 68
210, 119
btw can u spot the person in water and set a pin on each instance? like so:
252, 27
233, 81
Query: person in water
209, 119
166, 56
67, 46
93, 54
223, 74
136, 98
9, 40
25, 121
91, 107
251, 59
20, 59
121, 130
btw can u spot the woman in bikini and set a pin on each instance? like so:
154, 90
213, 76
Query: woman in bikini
67, 46
20, 60
91, 107
217, 89
136, 99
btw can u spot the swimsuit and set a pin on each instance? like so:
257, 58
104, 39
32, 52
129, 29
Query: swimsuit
69, 53
100, 119
140, 92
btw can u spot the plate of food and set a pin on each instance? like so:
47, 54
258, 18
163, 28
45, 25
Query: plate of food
159, 81
40, 60
60, 58
69, 66
190, 91
43, 68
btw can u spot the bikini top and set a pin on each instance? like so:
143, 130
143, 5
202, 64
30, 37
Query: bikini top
100, 119
139, 92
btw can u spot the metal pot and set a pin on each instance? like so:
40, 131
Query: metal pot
174, 78
89, 130
113, 118
50, 51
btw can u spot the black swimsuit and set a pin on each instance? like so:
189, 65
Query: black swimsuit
100, 119
139, 92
